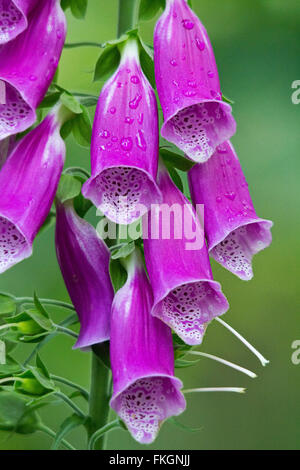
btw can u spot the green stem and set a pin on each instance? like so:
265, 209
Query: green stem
108, 427
66, 331
65, 381
99, 400
71, 45
127, 16
43, 428
56, 303
72, 405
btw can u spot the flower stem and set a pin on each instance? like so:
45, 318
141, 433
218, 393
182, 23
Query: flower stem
71, 45
55, 303
65, 381
72, 405
108, 427
66, 331
99, 400
43, 428
127, 15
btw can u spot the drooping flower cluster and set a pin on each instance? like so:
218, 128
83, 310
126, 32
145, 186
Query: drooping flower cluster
175, 290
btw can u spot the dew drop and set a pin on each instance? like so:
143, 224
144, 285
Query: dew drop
230, 196
133, 104
113, 110
141, 118
104, 134
210, 74
126, 144
134, 79
140, 141
218, 199
200, 44
189, 93
32, 78
188, 24
173, 62
192, 83
129, 120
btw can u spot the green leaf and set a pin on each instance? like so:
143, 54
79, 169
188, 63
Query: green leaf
39, 306
7, 305
10, 368
49, 222
71, 102
78, 8
175, 177
50, 100
176, 160
148, 9
183, 426
67, 426
15, 415
69, 187
147, 65
107, 63
118, 274
124, 251
66, 129
81, 205
182, 363
82, 128
40, 365
65, 4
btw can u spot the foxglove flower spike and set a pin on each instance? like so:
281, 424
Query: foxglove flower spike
14, 18
196, 118
142, 358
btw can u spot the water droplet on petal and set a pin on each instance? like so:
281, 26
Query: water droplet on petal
230, 196
133, 104
126, 144
173, 62
104, 134
192, 83
188, 24
210, 74
189, 93
129, 120
134, 79
218, 199
141, 118
32, 78
200, 44
140, 141
113, 110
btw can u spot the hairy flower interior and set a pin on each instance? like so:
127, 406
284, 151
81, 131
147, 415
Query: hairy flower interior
13, 245
199, 129
236, 251
145, 404
15, 114
11, 20
189, 307
122, 190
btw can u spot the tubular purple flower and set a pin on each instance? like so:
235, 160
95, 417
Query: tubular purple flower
124, 150
28, 183
233, 230
14, 18
84, 262
185, 295
28, 64
142, 358
196, 118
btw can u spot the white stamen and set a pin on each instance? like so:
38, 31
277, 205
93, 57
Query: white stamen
226, 363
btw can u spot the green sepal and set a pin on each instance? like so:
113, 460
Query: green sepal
148, 9
124, 251
82, 128
36, 381
118, 274
15, 415
69, 187
78, 8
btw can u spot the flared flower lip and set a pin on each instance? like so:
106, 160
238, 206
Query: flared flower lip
29, 248
20, 30
216, 286
13, 85
176, 382
254, 220
156, 198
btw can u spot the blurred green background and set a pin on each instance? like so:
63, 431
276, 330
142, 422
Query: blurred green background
257, 46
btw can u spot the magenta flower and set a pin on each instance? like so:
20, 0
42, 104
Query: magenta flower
196, 118
84, 262
185, 295
14, 18
145, 390
233, 230
28, 64
28, 183
124, 150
